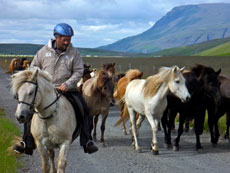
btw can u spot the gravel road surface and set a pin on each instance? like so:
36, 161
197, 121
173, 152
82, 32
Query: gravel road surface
119, 156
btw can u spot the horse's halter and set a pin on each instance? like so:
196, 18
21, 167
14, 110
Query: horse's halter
31, 105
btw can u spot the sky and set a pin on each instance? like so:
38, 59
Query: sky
95, 22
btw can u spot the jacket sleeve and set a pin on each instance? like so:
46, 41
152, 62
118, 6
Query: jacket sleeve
35, 62
77, 72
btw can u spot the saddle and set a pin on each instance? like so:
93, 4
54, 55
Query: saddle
78, 109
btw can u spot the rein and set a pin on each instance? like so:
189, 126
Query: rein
32, 104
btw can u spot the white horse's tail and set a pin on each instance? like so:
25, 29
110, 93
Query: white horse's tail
125, 114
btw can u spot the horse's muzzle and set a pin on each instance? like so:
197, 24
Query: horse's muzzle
21, 118
187, 98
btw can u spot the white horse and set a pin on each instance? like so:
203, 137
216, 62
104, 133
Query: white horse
148, 98
54, 122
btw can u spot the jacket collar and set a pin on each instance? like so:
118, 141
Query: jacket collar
50, 45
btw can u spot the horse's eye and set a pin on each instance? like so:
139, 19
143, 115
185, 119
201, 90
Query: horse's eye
105, 88
31, 93
177, 81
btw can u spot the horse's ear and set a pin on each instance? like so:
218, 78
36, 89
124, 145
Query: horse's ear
218, 72
35, 75
141, 74
113, 64
175, 69
182, 69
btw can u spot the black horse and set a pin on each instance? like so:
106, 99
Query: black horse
202, 83
216, 111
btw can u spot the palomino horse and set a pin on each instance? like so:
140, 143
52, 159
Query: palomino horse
98, 94
201, 82
53, 123
120, 91
148, 98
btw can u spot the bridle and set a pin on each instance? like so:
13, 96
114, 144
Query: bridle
31, 105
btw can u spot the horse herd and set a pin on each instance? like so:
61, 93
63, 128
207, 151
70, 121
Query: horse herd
159, 98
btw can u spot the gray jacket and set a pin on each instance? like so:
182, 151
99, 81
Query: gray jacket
65, 68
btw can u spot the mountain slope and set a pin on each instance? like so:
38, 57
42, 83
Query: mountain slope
183, 25
31, 49
221, 50
192, 50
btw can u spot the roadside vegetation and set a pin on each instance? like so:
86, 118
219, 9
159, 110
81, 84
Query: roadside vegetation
8, 162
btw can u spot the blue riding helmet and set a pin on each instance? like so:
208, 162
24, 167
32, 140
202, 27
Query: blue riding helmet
63, 29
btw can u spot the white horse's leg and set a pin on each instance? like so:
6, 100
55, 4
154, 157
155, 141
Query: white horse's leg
44, 157
51, 154
154, 125
140, 119
132, 115
62, 157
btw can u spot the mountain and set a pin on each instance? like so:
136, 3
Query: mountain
183, 25
31, 49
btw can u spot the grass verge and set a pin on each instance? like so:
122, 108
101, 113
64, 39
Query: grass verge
8, 129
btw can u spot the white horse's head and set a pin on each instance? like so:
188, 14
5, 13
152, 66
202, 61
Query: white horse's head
177, 84
25, 86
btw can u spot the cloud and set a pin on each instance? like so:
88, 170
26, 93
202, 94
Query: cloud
95, 22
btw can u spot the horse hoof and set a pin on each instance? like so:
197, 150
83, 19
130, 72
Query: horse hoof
175, 148
214, 145
167, 146
155, 152
125, 133
103, 144
139, 150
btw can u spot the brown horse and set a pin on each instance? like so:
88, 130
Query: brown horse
110, 68
121, 87
98, 94
26, 64
18, 64
14, 63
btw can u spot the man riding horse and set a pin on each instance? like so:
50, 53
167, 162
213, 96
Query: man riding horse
64, 63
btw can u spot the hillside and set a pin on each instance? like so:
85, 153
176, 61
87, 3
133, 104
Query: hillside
195, 49
221, 50
183, 25
31, 49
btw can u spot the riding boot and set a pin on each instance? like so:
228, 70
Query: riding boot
85, 136
27, 145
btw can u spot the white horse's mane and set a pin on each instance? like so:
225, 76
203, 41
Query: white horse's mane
20, 77
153, 82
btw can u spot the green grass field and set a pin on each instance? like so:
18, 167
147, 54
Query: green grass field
221, 50
8, 163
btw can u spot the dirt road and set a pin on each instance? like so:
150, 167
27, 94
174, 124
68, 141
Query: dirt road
119, 157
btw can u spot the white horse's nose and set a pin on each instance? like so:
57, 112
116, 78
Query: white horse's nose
21, 118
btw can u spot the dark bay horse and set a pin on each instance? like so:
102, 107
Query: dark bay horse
216, 111
86, 75
202, 83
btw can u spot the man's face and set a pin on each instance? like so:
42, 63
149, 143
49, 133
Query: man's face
63, 42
